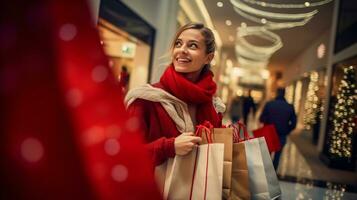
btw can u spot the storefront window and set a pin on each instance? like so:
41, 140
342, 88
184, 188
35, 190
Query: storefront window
127, 41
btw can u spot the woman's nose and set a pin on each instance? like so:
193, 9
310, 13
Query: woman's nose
183, 48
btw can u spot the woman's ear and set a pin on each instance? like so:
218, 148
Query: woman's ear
210, 56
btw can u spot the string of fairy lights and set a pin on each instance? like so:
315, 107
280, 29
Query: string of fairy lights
251, 55
344, 115
297, 5
312, 101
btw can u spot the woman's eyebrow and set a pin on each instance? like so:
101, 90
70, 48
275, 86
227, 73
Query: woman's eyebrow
178, 39
196, 41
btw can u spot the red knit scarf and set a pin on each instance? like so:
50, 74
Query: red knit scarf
199, 93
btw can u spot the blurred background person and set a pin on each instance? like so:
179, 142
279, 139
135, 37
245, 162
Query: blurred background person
235, 110
248, 106
124, 78
282, 114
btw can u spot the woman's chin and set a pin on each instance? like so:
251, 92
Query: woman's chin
182, 70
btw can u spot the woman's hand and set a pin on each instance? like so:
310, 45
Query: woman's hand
185, 142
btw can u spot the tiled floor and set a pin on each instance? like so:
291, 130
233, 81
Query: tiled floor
302, 180
295, 191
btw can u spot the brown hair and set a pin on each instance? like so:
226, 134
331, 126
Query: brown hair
206, 32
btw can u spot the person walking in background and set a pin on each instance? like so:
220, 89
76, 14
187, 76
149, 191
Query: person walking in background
124, 79
235, 110
248, 105
282, 114
169, 110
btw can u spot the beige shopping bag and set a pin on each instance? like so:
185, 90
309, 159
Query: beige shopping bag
224, 136
197, 175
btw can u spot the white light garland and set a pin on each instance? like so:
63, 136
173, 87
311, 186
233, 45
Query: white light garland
241, 51
283, 16
253, 56
263, 34
256, 57
251, 63
275, 5
270, 24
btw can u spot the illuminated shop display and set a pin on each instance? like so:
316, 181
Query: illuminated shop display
312, 101
344, 116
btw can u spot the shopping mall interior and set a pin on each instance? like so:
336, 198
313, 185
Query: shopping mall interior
261, 45
307, 47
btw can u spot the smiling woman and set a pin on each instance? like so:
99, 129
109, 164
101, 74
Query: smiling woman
192, 50
169, 110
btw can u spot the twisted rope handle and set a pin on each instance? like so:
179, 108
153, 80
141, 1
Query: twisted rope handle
236, 132
205, 127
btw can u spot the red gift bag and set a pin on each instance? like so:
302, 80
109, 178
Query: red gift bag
268, 131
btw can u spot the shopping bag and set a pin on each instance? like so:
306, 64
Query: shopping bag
197, 175
161, 174
263, 181
270, 134
240, 176
270, 173
224, 136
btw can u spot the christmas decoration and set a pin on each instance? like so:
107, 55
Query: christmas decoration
289, 94
344, 116
312, 101
250, 55
281, 5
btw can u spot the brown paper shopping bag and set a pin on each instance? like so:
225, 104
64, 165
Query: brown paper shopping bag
263, 181
240, 176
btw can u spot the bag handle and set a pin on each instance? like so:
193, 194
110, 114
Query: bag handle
237, 127
206, 127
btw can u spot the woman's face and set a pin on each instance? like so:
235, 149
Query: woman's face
189, 52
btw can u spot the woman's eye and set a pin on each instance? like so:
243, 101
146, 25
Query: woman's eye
193, 45
177, 44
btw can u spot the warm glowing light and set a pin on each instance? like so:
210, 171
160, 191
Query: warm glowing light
228, 22
321, 50
265, 74
229, 63
239, 92
343, 118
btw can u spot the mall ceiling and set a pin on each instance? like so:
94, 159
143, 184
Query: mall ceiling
295, 39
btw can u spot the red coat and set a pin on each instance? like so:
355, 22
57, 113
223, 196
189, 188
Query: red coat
159, 129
